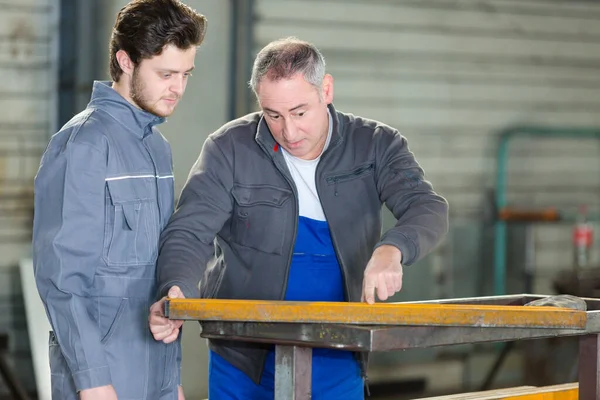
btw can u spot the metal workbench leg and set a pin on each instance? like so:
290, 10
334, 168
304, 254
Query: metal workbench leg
589, 377
293, 372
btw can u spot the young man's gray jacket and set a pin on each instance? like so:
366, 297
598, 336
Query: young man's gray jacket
103, 193
240, 192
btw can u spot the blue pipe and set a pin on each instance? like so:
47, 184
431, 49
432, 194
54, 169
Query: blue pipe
501, 183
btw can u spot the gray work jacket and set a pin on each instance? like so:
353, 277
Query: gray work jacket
241, 192
103, 193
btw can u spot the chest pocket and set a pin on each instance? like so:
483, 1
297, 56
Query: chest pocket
132, 224
259, 217
355, 189
356, 173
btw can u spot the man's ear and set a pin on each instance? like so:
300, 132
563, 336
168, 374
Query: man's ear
327, 89
127, 66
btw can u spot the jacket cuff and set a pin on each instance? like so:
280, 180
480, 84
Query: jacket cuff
407, 246
188, 291
92, 378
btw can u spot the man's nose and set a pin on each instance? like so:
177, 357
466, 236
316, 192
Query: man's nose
290, 131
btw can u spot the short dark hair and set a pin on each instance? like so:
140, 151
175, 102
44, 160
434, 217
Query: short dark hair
144, 27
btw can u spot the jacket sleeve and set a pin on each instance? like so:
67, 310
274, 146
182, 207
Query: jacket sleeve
422, 214
67, 249
205, 204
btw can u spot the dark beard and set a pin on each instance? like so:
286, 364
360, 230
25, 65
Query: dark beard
136, 94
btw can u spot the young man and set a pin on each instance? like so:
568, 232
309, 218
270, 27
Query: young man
293, 197
103, 193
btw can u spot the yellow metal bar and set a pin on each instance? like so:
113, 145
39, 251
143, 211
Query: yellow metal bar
567, 391
563, 395
375, 314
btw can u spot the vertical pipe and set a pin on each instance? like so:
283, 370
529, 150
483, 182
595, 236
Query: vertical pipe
293, 373
234, 59
589, 370
529, 268
242, 51
54, 60
500, 226
248, 55
67, 61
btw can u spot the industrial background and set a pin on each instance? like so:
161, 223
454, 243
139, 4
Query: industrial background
499, 100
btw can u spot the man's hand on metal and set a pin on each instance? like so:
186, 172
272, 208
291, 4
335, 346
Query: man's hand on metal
384, 273
99, 393
163, 328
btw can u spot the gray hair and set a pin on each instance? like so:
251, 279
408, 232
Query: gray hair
286, 57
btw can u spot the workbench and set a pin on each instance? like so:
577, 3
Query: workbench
296, 327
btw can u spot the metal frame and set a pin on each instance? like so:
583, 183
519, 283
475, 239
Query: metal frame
294, 341
500, 226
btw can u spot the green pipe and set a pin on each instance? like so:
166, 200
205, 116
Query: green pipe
500, 226
501, 183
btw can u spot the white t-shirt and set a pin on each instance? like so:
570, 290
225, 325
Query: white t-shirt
303, 173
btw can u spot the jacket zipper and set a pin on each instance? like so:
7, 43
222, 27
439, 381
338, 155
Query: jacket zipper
335, 248
362, 369
335, 180
291, 253
358, 172
293, 187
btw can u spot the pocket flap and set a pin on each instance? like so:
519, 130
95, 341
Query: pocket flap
130, 214
355, 173
131, 190
252, 195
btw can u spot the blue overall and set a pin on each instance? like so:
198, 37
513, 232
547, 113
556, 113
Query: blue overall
315, 275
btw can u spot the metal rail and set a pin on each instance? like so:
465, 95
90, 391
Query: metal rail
294, 328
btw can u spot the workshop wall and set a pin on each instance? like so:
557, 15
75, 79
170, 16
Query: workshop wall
450, 76
28, 66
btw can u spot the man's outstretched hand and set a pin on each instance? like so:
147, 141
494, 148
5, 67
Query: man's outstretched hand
163, 328
384, 273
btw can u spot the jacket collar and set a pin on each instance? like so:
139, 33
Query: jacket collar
136, 120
